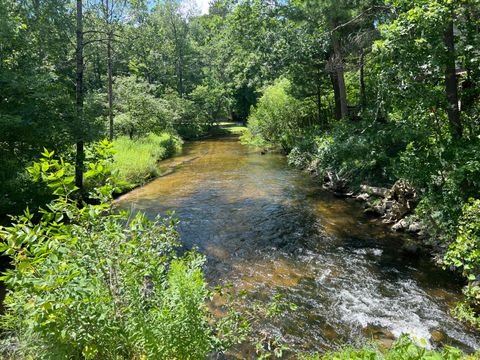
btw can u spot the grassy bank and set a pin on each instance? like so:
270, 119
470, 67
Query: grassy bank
232, 128
136, 160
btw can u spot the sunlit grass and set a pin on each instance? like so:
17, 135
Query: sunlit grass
237, 129
232, 128
136, 160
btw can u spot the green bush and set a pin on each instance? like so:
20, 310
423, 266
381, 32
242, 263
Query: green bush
299, 158
278, 116
403, 349
139, 110
359, 152
211, 101
464, 254
86, 285
448, 175
136, 160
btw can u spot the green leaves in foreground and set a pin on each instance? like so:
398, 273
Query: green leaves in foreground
402, 349
88, 282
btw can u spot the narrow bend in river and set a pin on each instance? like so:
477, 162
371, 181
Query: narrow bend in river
268, 228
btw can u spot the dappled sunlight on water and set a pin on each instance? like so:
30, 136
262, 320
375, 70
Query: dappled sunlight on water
268, 228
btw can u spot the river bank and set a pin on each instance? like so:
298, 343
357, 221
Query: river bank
142, 161
394, 206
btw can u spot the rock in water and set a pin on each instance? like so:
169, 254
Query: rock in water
375, 191
415, 227
400, 225
437, 336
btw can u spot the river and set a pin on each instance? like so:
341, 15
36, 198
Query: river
268, 228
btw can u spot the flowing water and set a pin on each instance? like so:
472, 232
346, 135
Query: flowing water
268, 228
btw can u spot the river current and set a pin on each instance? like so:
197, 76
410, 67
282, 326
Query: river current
268, 228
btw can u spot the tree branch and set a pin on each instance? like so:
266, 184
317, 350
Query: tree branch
359, 16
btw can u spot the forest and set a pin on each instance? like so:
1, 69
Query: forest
375, 102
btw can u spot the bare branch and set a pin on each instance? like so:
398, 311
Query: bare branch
359, 16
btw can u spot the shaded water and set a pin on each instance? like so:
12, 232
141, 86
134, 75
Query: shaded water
269, 228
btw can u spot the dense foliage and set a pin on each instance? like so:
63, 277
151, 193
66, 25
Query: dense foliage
464, 254
278, 116
85, 285
365, 92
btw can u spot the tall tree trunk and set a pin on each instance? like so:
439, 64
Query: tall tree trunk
97, 71
319, 98
80, 155
336, 95
180, 74
340, 78
363, 95
468, 89
451, 84
110, 83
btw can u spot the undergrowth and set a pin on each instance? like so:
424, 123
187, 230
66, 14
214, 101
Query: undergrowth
402, 349
136, 160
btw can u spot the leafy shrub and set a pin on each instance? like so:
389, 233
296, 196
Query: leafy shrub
211, 101
86, 285
139, 109
403, 349
448, 175
248, 138
189, 119
136, 160
359, 152
299, 159
464, 254
278, 116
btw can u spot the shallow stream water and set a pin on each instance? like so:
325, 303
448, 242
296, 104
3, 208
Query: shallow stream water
268, 228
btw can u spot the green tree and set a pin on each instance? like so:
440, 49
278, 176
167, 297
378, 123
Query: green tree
138, 111
37, 101
464, 254
277, 118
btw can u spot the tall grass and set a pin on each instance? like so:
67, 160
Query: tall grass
136, 160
